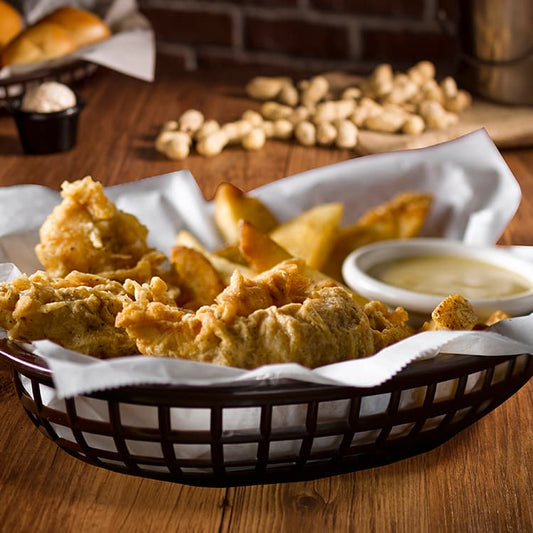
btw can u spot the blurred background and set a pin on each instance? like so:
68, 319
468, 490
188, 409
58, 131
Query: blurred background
311, 35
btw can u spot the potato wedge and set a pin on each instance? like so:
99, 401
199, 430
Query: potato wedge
402, 217
223, 266
312, 234
233, 205
232, 253
262, 253
200, 282
186, 238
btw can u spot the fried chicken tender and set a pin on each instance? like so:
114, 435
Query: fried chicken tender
279, 316
497, 316
77, 312
387, 326
88, 233
453, 313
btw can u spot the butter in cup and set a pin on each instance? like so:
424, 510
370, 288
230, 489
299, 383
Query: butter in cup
47, 118
494, 279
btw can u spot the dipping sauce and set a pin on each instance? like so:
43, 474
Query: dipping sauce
443, 275
48, 97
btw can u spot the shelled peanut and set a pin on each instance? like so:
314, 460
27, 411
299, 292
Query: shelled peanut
313, 113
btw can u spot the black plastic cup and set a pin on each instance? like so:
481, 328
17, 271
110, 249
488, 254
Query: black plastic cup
47, 133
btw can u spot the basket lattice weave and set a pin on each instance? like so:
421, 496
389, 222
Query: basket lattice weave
15, 86
294, 431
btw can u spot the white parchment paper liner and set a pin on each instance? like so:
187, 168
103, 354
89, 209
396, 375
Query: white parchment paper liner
130, 50
475, 198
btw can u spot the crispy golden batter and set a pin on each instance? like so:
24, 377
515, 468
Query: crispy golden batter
279, 316
454, 312
497, 316
87, 233
78, 312
387, 326
107, 293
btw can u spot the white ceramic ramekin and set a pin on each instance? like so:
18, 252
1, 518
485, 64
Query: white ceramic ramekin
357, 264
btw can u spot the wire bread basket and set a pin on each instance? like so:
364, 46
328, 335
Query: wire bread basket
72, 72
292, 431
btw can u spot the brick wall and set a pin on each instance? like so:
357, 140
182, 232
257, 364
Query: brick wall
306, 35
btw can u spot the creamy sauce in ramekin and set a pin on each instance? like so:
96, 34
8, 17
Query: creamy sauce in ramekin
443, 275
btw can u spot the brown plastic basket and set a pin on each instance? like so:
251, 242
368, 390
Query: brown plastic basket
295, 431
69, 73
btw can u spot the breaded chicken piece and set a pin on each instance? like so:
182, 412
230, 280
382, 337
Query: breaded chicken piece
77, 312
497, 316
453, 313
88, 233
387, 326
277, 317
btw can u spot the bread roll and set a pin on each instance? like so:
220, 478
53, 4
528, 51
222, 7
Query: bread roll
38, 43
10, 23
59, 33
83, 26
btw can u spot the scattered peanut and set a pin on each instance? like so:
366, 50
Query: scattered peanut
390, 120
253, 117
305, 133
178, 146
173, 143
314, 91
208, 127
289, 95
299, 113
421, 72
283, 129
436, 116
162, 139
333, 110
458, 103
235, 131
254, 139
273, 110
268, 128
212, 144
413, 125
351, 92
265, 88
347, 133
191, 121
326, 133
314, 112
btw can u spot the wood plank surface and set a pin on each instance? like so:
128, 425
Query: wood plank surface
479, 481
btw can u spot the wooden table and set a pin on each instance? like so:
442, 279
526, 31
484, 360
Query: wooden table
479, 481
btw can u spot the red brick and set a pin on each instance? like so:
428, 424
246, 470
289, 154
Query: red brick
389, 8
166, 62
267, 66
190, 27
380, 45
297, 37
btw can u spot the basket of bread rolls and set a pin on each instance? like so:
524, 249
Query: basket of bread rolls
28, 50
60, 32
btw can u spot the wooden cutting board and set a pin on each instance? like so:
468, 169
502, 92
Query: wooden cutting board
509, 126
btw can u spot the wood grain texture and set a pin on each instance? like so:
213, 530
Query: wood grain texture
479, 481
